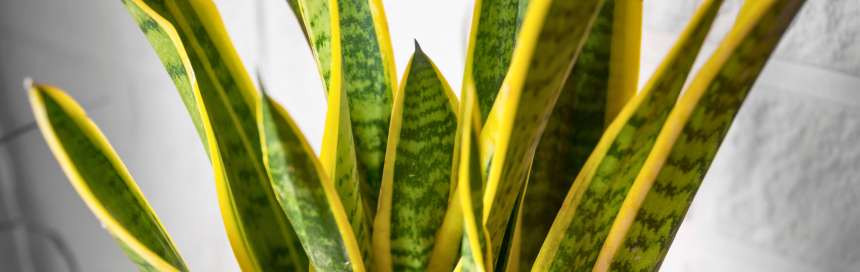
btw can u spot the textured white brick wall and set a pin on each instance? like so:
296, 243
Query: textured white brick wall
780, 196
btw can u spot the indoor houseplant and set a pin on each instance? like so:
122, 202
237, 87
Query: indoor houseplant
551, 159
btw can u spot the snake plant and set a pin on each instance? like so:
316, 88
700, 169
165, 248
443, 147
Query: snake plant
550, 160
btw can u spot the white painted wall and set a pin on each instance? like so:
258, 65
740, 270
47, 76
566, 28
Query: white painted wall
778, 198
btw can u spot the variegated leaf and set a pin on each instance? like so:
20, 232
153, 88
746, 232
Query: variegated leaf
662, 193
548, 43
595, 197
603, 78
416, 178
309, 200
102, 180
367, 73
194, 47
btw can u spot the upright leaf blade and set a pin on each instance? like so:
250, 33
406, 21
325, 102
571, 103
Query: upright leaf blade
340, 163
416, 178
102, 180
547, 46
583, 221
194, 47
491, 45
310, 201
604, 77
367, 71
670, 177
470, 185
316, 21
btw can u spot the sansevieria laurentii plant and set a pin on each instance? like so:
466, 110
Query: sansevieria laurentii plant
550, 160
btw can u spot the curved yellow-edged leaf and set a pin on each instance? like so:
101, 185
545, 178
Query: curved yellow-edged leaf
491, 45
592, 202
552, 33
309, 200
367, 72
194, 47
416, 178
102, 180
509, 259
603, 78
670, 177
339, 161
470, 185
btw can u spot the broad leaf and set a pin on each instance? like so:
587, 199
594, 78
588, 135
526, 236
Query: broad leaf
670, 177
194, 47
310, 201
417, 175
102, 180
595, 197
603, 78
548, 43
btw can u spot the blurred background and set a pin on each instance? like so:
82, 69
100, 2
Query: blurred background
780, 196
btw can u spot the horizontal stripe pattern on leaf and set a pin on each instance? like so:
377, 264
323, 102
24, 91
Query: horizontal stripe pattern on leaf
102, 180
416, 181
491, 44
547, 46
369, 80
604, 75
226, 102
593, 201
308, 199
662, 193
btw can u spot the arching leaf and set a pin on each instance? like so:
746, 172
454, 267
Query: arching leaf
194, 47
593, 201
102, 180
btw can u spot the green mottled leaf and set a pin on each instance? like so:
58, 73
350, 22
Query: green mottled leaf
610, 54
102, 180
339, 161
576, 236
316, 17
367, 74
549, 41
491, 44
417, 174
194, 47
671, 175
310, 201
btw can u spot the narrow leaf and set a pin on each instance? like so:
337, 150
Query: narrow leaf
470, 185
102, 180
339, 161
491, 44
310, 202
367, 72
416, 178
547, 46
583, 221
194, 47
604, 77
663, 191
